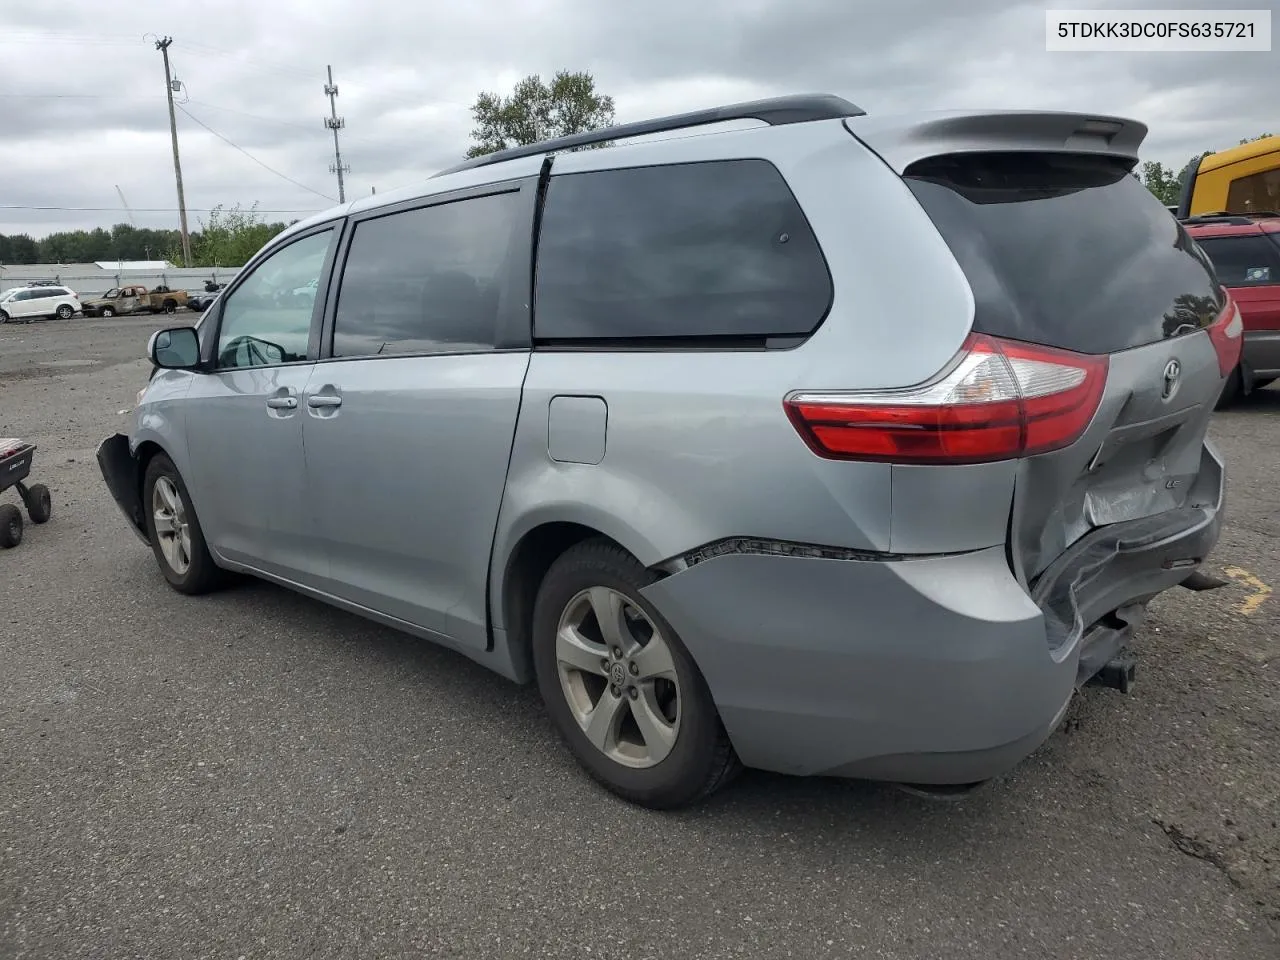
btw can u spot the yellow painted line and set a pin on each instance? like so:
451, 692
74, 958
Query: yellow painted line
1260, 589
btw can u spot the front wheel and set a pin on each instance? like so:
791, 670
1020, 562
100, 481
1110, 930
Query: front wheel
4, 317
10, 526
620, 687
39, 503
66, 312
108, 312
174, 530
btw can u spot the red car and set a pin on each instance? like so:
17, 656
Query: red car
1245, 250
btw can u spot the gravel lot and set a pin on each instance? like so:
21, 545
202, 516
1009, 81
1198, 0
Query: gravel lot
254, 774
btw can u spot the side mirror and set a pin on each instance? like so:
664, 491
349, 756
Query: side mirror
177, 348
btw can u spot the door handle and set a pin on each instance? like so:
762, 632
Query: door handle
324, 400
282, 403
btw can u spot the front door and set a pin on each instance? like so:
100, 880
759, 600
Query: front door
22, 305
244, 419
409, 424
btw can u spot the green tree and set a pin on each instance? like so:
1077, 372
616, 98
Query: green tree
538, 111
18, 248
1161, 181
228, 238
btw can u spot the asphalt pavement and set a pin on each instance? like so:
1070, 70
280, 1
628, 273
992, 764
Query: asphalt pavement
256, 775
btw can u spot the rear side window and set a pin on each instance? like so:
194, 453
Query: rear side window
1067, 250
1256, 193
1243, 261
426, 280
695, 250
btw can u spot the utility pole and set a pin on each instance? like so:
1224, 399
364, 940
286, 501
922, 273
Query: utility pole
163, 47
335, 123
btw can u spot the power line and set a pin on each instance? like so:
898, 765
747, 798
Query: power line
64, 209
264, 166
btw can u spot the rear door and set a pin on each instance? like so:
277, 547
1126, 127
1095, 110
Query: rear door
409, 417
1064, 248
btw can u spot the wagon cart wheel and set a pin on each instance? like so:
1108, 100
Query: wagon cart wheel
10, 526
39, 503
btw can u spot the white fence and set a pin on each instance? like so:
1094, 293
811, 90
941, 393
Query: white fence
88, 280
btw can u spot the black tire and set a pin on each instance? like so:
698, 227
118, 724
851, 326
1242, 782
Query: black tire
10, 526
1231, 392
108, 312
701, 759
170, 306
39, 503
66, 312
4, 317
202, 574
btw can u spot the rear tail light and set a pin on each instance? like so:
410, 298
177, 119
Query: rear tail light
999, 400
1227, 334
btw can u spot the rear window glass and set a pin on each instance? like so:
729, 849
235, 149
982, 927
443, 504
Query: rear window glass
715, 249
1243, 261
1067, 251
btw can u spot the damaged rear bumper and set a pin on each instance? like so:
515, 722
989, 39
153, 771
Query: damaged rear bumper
939, 670
120, 471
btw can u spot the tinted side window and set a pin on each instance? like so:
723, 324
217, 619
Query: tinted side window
716, 249
1257, 193
1243, 261
426, 280
267, 319
1066, 250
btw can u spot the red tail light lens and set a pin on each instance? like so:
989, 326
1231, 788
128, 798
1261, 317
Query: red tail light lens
999, 400
1227, 334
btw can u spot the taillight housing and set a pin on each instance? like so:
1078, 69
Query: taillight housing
1227, 334
998, 400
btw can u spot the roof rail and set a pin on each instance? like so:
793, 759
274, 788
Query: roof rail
1234, 219
776, 111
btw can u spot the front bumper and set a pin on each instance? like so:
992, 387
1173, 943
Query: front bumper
938, 670
120, 471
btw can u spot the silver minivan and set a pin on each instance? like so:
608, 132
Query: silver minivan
783, 436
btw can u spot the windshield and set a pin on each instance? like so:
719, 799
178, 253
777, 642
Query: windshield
113, 292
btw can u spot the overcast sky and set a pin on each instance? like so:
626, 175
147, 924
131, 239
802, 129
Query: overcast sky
82, 105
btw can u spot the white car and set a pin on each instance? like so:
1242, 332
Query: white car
24, 304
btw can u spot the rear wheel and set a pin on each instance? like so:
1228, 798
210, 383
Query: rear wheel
170, 306
10, 526
1231, 392
620, 687
65, 312
174, 530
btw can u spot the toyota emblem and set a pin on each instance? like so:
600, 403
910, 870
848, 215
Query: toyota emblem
1172, 376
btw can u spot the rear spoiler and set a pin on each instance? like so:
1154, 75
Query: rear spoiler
901, 141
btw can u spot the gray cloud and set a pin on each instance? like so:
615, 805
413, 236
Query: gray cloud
83, 109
